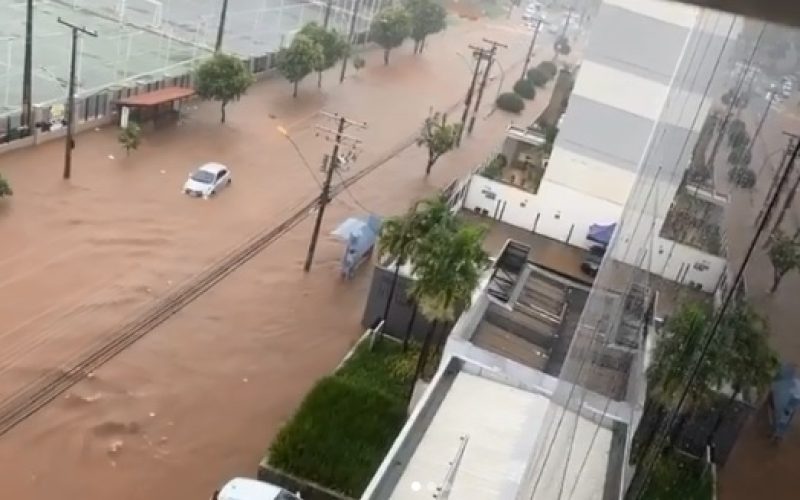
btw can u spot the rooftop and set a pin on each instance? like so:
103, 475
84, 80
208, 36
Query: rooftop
457, 444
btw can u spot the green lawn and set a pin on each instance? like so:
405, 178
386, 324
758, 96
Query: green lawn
679, 477
348, 421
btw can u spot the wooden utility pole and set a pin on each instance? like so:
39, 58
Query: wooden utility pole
27, 70
221, 28
71, 93
333, 163
785, 163
490, 59
530, 49
477, 53
350, 35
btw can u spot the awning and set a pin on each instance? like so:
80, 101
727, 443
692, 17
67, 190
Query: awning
601, 233
156, 97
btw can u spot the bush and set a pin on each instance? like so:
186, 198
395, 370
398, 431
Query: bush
511, 102
359, 62
740, 156
549, 68
742, 177
5, 188
348, 421
538, 77
525, 89
494, 170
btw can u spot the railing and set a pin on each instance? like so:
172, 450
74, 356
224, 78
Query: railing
443, 492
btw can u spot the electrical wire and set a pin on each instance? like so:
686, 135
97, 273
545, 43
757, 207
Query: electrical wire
343, 184
714, 330
303, 160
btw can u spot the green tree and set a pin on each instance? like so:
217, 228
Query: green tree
438, 136
749, 362
400, 239
511, 102
223, 78
130, 137
447, 268
740, 156
5, 187
302, 57
742, 177
389, 29
784, 254
549, 68
426, 18
333, 46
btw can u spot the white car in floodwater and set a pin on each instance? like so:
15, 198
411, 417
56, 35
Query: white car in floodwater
241, 488
207, 180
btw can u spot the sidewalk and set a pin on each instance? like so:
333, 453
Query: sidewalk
200, 397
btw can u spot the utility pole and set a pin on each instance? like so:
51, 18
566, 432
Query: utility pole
763, 119
221, 28
350, 33
530, 49
791, 144
477, 53
333, 164
27, 70
490, 60
71, 95
787, 202
327, 18
566, 22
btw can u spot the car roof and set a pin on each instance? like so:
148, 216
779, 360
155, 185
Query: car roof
242, 488
212, 167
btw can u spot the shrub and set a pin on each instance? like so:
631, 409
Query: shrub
740, 156
538, 77
742, 177
359, 62
525, 89
549, 68
5, 188
494, 170
510, 102
348, 421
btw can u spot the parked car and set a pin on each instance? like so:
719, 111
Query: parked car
241, 488
207, 180
591, 264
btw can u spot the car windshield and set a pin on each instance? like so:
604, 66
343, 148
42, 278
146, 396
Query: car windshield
202, 176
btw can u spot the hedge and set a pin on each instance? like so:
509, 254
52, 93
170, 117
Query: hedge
538, 77
548, 68
346, 424
525, 89
510, 101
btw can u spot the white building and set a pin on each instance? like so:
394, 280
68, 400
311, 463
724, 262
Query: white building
640, 99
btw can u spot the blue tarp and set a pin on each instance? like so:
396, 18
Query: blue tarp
359, 235
601, 233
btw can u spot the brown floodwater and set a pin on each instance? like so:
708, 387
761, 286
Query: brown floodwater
199, 398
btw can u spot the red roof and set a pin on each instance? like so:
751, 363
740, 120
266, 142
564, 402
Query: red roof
156, 97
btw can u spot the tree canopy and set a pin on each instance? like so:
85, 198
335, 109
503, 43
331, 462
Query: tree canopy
389, 29
438, 136
223, 78
400, 236
130, 137
784, 254
332, 44
302, 57
426, 18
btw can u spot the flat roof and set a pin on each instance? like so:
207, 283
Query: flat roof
499, 425
156, 97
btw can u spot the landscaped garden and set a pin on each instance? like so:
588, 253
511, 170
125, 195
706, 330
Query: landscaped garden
678, 476
348, 421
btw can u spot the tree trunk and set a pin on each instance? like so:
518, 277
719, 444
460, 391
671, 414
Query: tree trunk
386, 56
222, 107
319, 79
416, 46
787, 203
407, 334
443, 335
776, 280
429, 166
294, 92
422, 44
423, 354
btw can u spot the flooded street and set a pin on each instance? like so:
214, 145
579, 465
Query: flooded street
198, 399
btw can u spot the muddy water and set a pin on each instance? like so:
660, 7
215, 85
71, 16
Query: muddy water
199, 398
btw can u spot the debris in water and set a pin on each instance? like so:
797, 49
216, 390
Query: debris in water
169, 282
152, 414
115, 446
110, 157
113, 463
90, 375
163, 171
244, 380
163, 439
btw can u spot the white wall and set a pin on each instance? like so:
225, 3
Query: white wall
590, 176
621, 90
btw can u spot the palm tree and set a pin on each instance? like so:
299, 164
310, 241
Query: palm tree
400, 240
447, 268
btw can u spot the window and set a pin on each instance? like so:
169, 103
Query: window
221, 174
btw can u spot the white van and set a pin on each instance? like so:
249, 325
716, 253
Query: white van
241, 488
